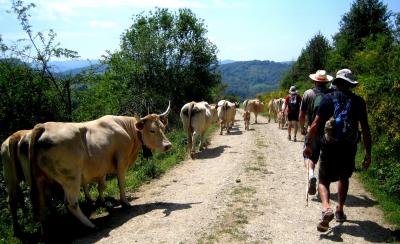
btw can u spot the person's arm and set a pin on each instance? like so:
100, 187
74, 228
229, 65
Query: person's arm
366, 133
302, 119
311, 135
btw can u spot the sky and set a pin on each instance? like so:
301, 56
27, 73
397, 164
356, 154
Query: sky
275, 30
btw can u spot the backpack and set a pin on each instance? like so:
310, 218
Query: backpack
340, 127
293, 103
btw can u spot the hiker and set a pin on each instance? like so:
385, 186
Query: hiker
309, 106
292, 104
340, 113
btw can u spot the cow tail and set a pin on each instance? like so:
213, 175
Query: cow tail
33, 149
190, 127
245, 104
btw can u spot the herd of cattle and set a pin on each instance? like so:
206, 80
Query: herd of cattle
72, 155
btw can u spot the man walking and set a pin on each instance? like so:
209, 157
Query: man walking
309, 106
292, 104
340, 113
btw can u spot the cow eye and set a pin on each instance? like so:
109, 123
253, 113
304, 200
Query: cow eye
152, 131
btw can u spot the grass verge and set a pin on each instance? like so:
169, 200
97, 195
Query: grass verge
388, 204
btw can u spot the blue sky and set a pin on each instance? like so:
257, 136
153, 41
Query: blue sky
242, 30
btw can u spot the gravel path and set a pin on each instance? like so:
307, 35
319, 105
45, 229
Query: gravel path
246, 187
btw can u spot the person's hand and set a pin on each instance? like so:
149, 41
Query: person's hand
303, 130
366, 162
307, 151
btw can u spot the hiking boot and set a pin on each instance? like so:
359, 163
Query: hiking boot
340, 216
327, 216
289, 138
312, 186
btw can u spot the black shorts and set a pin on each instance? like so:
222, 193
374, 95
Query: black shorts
337, 161
293, 116
316, 148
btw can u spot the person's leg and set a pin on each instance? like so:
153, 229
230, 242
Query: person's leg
295, 122
327, 213
323, 189
343, 187
289, 129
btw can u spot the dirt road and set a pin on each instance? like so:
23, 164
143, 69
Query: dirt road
247, 187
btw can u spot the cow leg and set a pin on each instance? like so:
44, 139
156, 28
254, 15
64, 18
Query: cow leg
255, 115
221, 126
121, 184
194, 138
88, 198
202, 142
101, 187
72, 191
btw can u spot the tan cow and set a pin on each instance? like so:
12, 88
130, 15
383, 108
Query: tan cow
73, 154
15, 170
226, 115
196, 118
254, 106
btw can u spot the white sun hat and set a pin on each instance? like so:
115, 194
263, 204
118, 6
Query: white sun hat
345, 74
321, 76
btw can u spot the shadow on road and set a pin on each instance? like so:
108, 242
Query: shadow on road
211, 152
69, 229
370, 231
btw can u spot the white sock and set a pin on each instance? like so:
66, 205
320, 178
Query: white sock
310, 173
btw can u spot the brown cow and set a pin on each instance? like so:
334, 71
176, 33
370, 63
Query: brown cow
196, 118
73, 154
253, 105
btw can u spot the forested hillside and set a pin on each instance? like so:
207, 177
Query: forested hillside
247, 78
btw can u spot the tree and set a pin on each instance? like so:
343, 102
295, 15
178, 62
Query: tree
164, 56
44, 48
312, 58
365, 18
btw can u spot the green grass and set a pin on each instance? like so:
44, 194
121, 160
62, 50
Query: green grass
389, 204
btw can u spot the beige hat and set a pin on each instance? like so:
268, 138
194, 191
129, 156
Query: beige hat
292, 90
321, 76
345, 74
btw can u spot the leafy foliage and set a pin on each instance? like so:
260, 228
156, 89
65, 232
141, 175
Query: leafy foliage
311, 59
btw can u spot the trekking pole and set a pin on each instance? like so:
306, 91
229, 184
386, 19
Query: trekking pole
308, 179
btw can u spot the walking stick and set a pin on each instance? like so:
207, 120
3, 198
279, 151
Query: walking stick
308, 179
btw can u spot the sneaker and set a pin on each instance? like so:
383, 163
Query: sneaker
340, 216
289, 138
312, 186
327, 216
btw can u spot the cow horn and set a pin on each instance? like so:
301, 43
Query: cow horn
166, 111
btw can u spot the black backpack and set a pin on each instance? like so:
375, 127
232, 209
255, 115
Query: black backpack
293, 103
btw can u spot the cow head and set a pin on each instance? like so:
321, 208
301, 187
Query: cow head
152, 128
214, 113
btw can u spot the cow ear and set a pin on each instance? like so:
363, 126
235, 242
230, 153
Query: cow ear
164, 120
140, 125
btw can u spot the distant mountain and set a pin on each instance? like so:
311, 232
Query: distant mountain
63, 66
244, 78
227, 61
247, 78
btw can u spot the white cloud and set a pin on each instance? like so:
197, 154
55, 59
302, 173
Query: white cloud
102, 24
